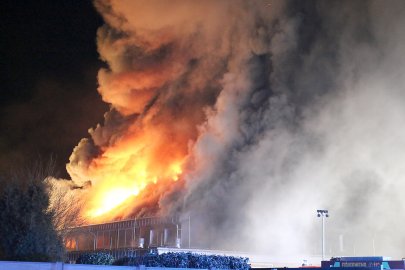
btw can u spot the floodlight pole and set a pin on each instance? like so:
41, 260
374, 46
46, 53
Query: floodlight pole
323, 237
189, 231
324, 214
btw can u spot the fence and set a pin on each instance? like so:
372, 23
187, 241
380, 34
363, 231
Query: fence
7, 265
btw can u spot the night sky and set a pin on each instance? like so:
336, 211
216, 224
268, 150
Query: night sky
48, 88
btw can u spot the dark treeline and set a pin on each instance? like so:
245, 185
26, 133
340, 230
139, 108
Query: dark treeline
26, 222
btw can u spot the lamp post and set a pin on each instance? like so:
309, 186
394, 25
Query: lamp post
324, 214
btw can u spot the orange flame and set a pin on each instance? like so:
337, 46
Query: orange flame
124, 170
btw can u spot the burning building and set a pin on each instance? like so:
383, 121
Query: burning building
233, 111
124, 238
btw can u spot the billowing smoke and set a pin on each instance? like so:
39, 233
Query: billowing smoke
263, 111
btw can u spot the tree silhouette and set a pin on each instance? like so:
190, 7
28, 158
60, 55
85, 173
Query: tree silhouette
26, 221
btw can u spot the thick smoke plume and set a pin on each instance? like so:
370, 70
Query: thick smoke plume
264, 111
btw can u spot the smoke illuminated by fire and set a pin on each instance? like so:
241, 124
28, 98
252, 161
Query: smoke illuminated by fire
161, 80
238, 112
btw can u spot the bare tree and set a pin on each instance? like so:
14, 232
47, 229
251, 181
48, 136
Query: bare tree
65, 205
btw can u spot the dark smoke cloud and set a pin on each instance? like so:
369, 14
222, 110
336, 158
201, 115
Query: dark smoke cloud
287, 107
326, 134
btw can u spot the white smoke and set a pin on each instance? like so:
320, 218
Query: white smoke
330, 136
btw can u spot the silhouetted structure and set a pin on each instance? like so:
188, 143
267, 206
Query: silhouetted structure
124, 238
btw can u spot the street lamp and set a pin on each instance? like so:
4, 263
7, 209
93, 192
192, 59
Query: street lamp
323, 214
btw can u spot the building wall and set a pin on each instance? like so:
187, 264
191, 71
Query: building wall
136, 233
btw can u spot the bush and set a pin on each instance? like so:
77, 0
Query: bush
99, 258
186, 260
27, 230
176, 260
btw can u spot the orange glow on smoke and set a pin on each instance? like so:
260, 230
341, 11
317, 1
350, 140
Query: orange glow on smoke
137, 162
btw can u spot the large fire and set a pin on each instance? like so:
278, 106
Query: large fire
124, 170
162, 81
116, 190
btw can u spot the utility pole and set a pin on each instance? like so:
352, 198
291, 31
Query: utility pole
324, 214
373, 245
189, 231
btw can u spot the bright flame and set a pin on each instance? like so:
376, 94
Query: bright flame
110, 199
176, 170
70, 244
124, 170
146, 146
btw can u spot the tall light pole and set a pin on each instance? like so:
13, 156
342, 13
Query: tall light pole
324, 214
